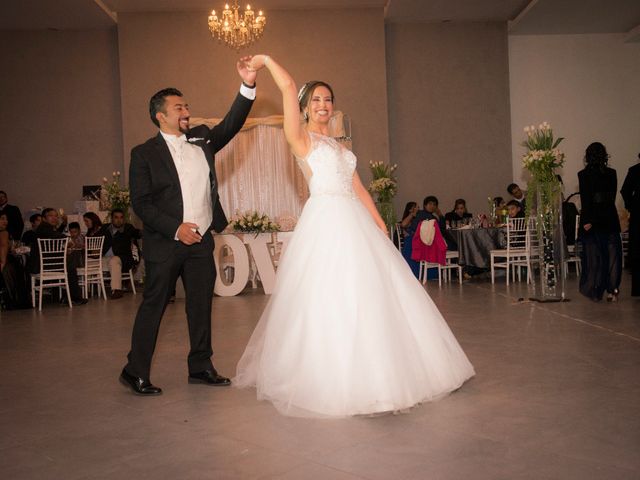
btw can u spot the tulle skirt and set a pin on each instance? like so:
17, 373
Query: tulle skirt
348, 330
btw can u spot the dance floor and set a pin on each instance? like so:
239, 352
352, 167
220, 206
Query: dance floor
556, 396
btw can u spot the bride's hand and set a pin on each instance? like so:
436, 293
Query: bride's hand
258, 62
246, 71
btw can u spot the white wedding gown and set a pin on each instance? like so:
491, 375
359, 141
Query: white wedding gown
348, 330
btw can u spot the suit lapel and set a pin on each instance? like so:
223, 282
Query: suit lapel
165, 155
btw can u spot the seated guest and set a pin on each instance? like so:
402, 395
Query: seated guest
500, 208
14, 217
430, 211
76, 239
515, 209
29, 236
75, 250
458, 214
119, 238
50, 228
518, 195
14, 292
93, 224
410, 211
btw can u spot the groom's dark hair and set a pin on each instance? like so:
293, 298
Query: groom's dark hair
156, 104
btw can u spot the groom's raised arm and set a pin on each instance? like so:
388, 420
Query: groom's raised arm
233, 121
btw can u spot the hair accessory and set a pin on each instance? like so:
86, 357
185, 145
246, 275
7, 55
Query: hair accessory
302, 91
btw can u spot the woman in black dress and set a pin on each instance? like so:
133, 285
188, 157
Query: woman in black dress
14, 290
599, 226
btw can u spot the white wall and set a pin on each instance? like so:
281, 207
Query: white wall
587, 87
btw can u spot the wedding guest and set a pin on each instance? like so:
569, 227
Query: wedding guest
429, 211
515, 209
631, 195
75, 249
16, 224
119, 237
93, 224
49, 228
600, 227
410, 211
501, 211
14, 292
76, 239
458, 214
518, 195
29, 236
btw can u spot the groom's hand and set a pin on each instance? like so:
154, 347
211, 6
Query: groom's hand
247, 74
187, 233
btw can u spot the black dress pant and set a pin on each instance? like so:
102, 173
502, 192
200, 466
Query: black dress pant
634, 253
194, 264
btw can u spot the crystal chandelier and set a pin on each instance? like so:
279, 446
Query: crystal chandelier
235, 29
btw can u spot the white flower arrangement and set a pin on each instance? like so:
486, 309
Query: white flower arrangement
115, 195
384, 184
287, 222
543, 155
252, 221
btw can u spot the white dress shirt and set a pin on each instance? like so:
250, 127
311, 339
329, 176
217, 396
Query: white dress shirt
193, 172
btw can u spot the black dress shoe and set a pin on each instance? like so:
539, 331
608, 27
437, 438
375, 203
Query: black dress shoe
140, 386
209, 377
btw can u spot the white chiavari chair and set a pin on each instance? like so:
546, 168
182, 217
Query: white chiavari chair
91, 274
517, 253
53, 269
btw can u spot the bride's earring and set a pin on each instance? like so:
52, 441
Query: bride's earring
306, 116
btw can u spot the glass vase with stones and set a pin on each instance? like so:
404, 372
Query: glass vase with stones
546, 240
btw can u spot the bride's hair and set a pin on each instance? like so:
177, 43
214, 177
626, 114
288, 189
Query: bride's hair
306, 91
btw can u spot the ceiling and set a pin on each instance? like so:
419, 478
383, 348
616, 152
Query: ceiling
524, 16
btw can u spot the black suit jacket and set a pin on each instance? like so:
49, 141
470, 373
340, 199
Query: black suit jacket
631, 191
44, 230
156, 195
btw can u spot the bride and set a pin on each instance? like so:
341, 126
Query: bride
348, 330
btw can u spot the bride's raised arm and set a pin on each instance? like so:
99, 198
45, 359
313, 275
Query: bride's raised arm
293, 130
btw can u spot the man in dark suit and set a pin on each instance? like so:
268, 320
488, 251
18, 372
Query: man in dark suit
631, 195
175, 192
119, 237
16, 223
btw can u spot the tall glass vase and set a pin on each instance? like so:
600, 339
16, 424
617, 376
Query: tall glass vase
547, 241
385, 208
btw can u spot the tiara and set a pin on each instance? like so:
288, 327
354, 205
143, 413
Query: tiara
302, 91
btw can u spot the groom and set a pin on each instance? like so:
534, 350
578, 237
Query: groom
175, 192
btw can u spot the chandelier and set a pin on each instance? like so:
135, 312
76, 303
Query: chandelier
235, 29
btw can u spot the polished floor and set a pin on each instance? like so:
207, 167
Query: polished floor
556, 396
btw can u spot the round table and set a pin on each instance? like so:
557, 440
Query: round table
475, 244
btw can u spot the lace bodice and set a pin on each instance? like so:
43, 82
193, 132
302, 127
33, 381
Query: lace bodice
328, 167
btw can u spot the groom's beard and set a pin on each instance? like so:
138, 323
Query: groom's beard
184, 128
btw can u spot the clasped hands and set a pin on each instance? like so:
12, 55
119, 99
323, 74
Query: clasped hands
249, 65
